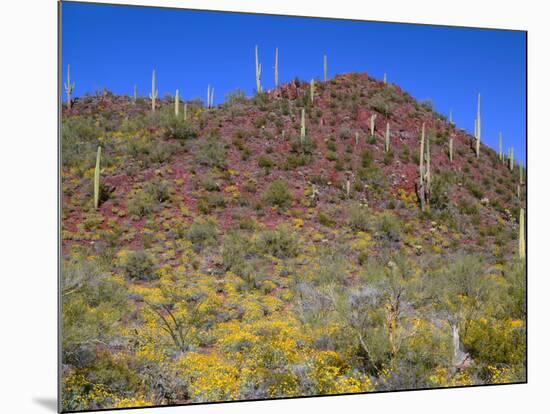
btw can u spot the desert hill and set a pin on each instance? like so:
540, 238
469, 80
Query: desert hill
239, 252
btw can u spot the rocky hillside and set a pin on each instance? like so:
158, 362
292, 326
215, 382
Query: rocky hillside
283, 258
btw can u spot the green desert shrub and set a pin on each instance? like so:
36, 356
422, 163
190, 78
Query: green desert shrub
388, 227
358, 217
278, 194
159, 189
139, 265
202, 234
141, 203
234, 251
79, 141
302, 146
265, 162
175, 127
212, 151
279, 242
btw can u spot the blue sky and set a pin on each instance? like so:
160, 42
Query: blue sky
117, 47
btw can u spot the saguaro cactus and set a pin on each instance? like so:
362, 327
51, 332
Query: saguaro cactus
154, 93
258, 73
96, 178
276, 67
303, 127
387, 136
451, 149
135, 94
325, 68
312, 90
478, 124
428, 169
69, 87
521, 238
451, 117
209, 97
422, 191
185, 111
520, 174
512, 159
372, 119
177, 103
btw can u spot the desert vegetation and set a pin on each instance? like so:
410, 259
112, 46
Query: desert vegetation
323, 237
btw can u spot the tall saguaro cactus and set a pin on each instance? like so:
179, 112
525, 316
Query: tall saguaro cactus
209, 97
154, 93
69, 87
372, 119
312, 90
512, 159
521, 238
303, 128
520, 174
428, 169
478, 124
177, 103
451, 117
276, 67
258, 73
96, 178
387, 147
135, 94
423, 174
324, 68
451, 149
185, 111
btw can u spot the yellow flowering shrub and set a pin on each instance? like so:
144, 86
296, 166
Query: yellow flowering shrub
208, 377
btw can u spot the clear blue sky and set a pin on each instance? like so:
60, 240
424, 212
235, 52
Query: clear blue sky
118, 46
